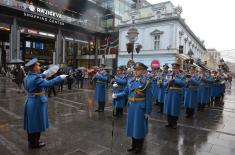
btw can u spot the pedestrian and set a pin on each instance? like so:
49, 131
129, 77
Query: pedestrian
36, 105
80, 78
86, 76
100, 79
174, 84
61, 85
52, 88
19, 77
138, 91
70, 80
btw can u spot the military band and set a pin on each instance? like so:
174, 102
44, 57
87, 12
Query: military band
135, 87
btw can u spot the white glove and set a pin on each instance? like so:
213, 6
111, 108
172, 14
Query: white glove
146, 116
115, 85
187, 80
63, 76
114, 96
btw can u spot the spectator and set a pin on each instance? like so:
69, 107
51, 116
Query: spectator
52, 88
70, 80
86, 75
60, 72
80, 78
19, 77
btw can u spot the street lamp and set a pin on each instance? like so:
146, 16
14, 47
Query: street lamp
189, 61
132, 35
190, 54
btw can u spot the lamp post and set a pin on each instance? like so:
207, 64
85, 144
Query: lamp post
132, 35
189, 61
190, 54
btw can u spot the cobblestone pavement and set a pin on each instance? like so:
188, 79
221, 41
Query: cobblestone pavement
76, 129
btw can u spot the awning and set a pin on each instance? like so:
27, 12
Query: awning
16, 61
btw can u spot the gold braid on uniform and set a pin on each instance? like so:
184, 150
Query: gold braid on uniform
141, 91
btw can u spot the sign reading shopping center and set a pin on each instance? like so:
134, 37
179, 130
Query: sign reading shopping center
48, 16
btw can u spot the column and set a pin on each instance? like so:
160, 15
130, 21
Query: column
97, 46
14, 41
63, 40
58, 48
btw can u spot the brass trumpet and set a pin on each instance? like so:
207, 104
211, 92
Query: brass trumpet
159, 83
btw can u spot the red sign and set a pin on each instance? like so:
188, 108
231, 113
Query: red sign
155, 64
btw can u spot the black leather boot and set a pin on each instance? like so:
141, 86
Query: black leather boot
139, 145
133, 145
99, 107
169, 120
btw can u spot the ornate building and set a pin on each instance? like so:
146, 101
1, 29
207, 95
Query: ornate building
162, 32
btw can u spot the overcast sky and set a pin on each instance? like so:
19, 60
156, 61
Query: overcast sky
210, 20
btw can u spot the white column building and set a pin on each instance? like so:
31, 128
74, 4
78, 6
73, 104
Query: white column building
161, 32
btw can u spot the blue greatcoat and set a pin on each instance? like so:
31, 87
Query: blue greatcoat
173, 96
162, 89
191, 93
154, 88
36, 106
101, 79
139, 103
203, 90
121, 82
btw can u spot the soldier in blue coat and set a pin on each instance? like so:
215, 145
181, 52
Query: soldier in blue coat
155, 72
139, 107
161, 87
174, 86
119, 83
36, 111
191, 92
100, 79
203, 89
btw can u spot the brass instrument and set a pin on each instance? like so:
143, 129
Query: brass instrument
169, 82
159, 82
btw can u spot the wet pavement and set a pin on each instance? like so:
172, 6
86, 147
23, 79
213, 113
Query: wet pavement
75, 129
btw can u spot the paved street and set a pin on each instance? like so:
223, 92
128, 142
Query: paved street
76, 130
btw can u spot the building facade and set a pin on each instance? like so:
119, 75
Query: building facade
212, 58
73, 35
162, 32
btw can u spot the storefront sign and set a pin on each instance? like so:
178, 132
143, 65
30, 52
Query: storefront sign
44, 12
47, 14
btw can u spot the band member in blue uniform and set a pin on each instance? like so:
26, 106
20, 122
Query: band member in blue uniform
203, 92
155, 72
174, 85
139, 107
100, 79
161, 87
36, 105
119, 83
191, 92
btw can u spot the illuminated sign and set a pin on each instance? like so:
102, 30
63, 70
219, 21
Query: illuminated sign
44, 12
47, 14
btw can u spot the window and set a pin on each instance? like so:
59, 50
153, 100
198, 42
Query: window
157, 42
